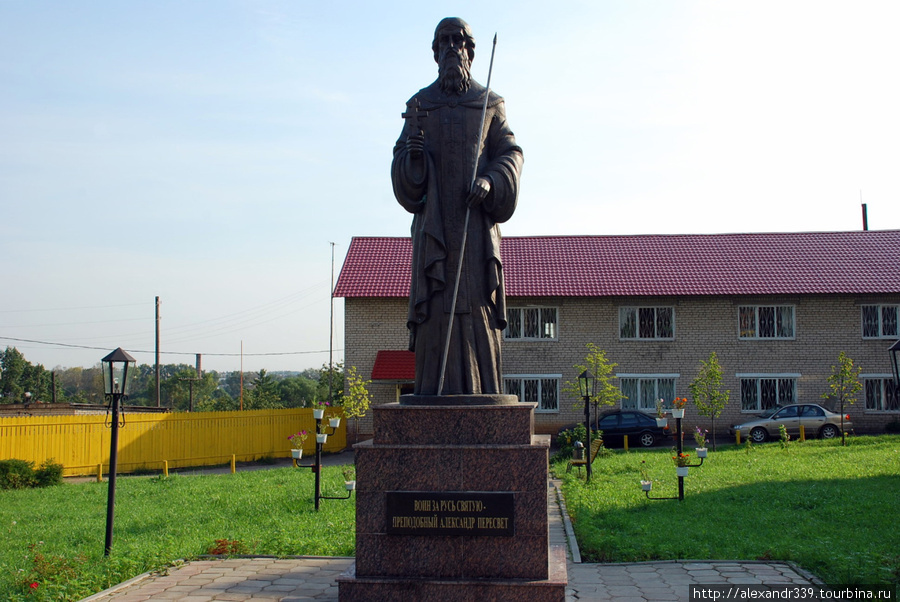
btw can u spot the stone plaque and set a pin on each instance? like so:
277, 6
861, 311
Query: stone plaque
473, 513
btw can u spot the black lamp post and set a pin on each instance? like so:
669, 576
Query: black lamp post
587, 382
895, 364
117, 370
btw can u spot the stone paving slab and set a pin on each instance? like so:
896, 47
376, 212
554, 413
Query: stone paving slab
313, 578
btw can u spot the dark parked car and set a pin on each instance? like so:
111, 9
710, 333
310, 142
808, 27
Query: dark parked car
640, 427
816, 421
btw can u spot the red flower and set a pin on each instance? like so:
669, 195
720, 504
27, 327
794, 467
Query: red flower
33, 585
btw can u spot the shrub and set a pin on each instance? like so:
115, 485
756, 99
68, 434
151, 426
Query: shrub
16, 474
566, 440
49, 473
21, 474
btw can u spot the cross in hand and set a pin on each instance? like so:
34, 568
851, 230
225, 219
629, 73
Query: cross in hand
416, 113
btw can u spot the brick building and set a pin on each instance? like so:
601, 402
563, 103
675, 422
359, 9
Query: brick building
776, 308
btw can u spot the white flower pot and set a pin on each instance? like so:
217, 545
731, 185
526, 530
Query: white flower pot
701, 452
676, 413
681, 471
296, 454
661, 422
334, 423
321, 437
350, 485
318, 414
646, 485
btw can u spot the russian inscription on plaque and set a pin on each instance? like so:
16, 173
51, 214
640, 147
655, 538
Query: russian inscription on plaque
473, 513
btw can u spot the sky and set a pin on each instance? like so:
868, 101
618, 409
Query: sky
217, 155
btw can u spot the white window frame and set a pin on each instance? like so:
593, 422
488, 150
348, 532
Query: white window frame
540, 378
758, 377
547, 330
646, 400
880, 308
775, 336
879, 385
635, 311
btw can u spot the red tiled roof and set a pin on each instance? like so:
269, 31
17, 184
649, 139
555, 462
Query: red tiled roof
394, 365
861, 262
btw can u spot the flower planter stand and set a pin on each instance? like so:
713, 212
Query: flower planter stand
680, 471
316, 466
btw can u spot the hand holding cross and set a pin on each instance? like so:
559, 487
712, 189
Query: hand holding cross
415, 144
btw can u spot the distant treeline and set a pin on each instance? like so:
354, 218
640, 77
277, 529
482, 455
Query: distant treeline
180, 388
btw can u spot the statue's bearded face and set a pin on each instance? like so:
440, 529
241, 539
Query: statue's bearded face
453, 61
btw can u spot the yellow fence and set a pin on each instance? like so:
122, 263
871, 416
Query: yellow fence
81, 443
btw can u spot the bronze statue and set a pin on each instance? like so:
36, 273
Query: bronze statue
432, 173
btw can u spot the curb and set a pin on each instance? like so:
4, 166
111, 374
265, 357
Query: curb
567, 523
125, 584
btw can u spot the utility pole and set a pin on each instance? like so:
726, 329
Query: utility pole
331, 333
242, 376
158, 397
191, 381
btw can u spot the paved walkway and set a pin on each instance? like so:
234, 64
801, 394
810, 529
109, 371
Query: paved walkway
313, 578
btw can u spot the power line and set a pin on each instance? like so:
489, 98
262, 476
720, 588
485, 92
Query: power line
270, 353
14, 311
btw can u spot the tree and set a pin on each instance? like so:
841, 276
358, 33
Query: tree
13, 364
264, 393
80, 385
357, 399
706, 391
608, 394
333, 381
20, 376
844, 384
176, 390
38, 381
297, 391
220, 402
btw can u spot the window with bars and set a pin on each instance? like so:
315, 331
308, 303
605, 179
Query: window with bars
646, 322
766, 321
882, 395
641, 391
764, 392
880, 321
531, 324
542, 389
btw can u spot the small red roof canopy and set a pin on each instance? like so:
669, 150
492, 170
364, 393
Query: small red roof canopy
394, 365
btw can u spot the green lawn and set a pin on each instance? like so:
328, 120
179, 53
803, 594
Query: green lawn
833, 510
54, 537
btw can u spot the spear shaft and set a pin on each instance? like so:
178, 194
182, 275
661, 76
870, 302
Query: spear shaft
465, 232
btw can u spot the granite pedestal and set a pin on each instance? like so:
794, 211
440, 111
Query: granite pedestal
476, 472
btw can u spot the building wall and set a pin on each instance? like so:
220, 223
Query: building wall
824, 326
369, 326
